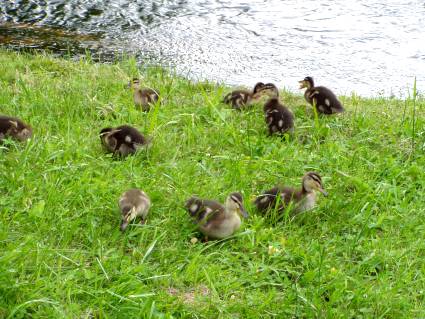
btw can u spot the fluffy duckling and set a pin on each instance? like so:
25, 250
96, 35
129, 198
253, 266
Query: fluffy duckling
14, 128
240, 98
302, 199
143, 97
324, 99
215, 220
278, 117
133, 203
122, 140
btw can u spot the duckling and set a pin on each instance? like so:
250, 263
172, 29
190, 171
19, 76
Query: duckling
278, 117
14, 128
240, 98
133, 203
122, 140
303, 199
143, 97
324, 99
215, 220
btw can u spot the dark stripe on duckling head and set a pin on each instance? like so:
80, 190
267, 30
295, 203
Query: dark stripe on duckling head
258, 87
269, 86
236, 197
316, 177
309, 80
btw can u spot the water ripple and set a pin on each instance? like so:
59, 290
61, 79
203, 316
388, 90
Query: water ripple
365, 46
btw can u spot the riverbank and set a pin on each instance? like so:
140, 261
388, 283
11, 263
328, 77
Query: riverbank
359, 254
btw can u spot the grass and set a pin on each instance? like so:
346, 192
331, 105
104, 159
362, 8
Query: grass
360, 254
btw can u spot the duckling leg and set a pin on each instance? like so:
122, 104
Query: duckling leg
142, 221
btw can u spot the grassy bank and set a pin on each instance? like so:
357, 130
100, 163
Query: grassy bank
360, 254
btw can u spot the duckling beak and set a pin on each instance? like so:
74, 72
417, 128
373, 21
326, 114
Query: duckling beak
124, 224
325, 193
303, 84
243, 212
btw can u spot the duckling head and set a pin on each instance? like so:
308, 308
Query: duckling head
308, 83
24, 134
313, 182
257, 87
21, 131
134, 84
128, 214
234, 204
266, 92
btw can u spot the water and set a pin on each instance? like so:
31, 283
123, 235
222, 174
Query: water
371, 47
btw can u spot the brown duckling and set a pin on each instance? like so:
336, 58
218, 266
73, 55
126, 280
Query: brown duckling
143, 97
240, 98
14, 128
302, 199
215, 220
278, 117
133, 203
122, 140
324, 99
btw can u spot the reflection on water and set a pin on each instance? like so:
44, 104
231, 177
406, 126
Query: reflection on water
368, 46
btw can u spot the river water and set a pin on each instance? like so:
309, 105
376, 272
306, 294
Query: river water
372, 47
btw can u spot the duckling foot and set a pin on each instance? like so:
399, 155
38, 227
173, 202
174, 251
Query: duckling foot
142, 222
205, 239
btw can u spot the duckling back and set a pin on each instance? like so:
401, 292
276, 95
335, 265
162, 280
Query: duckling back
279, 197
123, 140
324, 99
279, 118
237, 99
267, 200
133, 203
199, 209
212, 219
